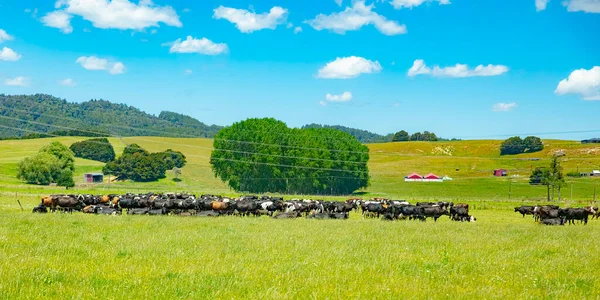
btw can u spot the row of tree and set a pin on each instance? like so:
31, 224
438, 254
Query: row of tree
138, 164
264, 155
54, 163
517, 145
404, 136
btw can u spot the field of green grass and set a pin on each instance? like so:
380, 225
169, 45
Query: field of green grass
501, 256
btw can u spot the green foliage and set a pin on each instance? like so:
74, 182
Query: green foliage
172, 159
574, 174
63, 153
297, 161
42, 169
137, 164
401, 136
516, 145
362, 136
94, 115
425, 136
65, 178
540, 175
98, 149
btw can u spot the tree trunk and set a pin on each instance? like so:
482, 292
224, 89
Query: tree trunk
558, 193
548, 199
553, 193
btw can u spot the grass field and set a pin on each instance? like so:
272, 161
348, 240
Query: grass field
502, 255
134, 257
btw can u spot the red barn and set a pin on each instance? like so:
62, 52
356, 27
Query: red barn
414, 176
432, 176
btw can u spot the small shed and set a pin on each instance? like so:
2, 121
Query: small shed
93, 178
500, 172
595, 173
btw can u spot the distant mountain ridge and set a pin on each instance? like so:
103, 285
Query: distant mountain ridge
47, 114
363, 136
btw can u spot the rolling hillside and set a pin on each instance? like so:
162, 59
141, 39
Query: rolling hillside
469, 163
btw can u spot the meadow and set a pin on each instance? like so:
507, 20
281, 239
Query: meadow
502, 255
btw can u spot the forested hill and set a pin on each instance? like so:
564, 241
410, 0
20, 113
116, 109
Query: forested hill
363, 136
40, 111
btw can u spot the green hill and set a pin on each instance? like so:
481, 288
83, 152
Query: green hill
363, 136
48, 114
468, 163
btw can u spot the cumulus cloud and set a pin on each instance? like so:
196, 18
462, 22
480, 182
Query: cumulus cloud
541, 4
458, 71
349, 67
68, 82
116, 14
398, 4
339, 2
193, 45
101, 64
8, 54
297, 30
344, 97
355, 17
4, 36
248, 22
60, 20
17, 81
583, 82
503, 107
589, 6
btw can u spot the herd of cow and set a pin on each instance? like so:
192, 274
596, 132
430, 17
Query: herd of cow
212, 206
554, 215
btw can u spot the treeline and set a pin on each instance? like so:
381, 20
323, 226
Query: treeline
517, 145
44, 114
404, 136
78, 133
137, 164
98, 149
363, 136
279, 159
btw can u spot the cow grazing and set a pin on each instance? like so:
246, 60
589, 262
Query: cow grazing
581, 214
434, 212
319, 216
290, 215
525, 210
138, 211
41, 209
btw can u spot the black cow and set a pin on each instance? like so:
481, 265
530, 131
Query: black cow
581, 214
460, 214
319, 216
207, 213
553, 221
290, 215
158, 211
525, 210
42, 209
434, 212
138, 211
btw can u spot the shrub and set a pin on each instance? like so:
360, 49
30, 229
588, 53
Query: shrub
98, 149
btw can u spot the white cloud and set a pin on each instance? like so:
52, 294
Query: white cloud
17, 81
289, 25
349, 67
323, 103
4, 36
193, 45
58, 19
8, 54
344, 97
339, 2
188, 72
583, 82
248, 22
458, 71
68, 82
398, 4
503, 107
589, 6
355, 17
541, 4
101, 64
117, 14
297, 30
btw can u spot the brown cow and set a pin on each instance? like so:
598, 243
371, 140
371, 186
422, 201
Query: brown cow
104, 199
219, 206
50, 201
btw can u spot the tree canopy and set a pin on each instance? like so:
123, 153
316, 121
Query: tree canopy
516, 145
98, 149
54, 163
401, 136
137, 164
275, 158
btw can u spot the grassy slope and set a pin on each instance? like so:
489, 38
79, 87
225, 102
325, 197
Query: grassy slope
389, 163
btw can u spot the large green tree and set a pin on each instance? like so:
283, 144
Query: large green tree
98, 149
401, 136
137, 164
63, 153
42, 168
275, 158
516, 145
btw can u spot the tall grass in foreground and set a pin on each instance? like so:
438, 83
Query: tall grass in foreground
501, 256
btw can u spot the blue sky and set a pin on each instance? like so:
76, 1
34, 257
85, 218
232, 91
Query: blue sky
468, 69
